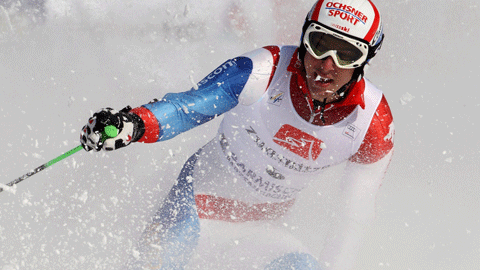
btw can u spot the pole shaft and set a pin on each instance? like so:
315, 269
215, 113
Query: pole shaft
44, 166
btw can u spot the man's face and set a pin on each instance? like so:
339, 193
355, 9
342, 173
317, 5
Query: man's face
324, 77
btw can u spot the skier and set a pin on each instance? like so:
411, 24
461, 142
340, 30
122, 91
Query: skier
288, 113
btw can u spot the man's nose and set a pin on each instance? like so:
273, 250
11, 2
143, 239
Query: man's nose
327, 64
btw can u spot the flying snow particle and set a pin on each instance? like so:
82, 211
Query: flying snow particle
47, 210
407, 97
390, 134
70, 101
9, 189
195, 86
104, 240
136, 254
83, 197
26, 202
114, 200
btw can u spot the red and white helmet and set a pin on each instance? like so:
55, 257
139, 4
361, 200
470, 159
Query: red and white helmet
351, 20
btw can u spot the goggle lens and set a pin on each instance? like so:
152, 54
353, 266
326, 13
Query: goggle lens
346, 53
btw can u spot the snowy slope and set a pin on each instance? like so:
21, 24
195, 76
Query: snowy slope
87, 211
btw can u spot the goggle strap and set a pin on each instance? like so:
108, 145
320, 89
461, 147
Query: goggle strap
372, 50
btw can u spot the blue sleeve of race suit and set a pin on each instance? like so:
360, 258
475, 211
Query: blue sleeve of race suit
216, 94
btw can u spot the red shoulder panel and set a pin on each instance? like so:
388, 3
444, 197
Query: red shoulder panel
275, 51
379, 138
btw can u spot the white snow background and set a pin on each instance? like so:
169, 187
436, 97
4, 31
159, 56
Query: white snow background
87, 211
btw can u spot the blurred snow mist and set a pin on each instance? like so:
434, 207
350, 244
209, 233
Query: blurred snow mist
61, 60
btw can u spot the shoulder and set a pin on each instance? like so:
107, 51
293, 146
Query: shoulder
265, 54
267, 57
264, 60
264, 63
379, 139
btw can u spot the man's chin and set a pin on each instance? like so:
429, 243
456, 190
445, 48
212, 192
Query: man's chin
321, 95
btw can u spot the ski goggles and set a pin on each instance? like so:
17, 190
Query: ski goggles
346, 52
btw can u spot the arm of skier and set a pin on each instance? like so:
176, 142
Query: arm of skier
241, 80
360, 183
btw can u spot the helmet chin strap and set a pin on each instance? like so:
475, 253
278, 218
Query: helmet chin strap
341, 93
357, 76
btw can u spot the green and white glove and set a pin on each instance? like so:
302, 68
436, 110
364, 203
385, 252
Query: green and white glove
109, 129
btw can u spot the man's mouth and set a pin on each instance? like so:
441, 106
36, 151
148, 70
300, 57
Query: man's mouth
322, 79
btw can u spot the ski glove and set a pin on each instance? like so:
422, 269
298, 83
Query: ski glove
129, 125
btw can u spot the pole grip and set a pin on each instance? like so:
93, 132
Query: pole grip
109, 132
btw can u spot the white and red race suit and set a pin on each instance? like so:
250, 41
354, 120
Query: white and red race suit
271, 144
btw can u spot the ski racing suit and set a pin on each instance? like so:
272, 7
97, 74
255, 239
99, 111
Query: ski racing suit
269, 147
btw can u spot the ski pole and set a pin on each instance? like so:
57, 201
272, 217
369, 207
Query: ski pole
109, 132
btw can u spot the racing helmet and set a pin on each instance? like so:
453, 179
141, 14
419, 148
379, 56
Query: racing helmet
348, 30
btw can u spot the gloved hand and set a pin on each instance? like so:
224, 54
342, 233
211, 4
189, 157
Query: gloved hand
130, 129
